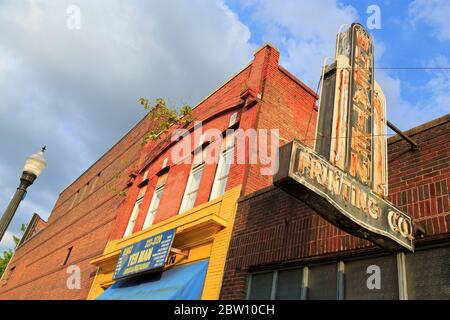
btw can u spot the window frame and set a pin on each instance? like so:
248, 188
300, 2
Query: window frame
341, 273
220, 180
153, 208
188, 189
134, 215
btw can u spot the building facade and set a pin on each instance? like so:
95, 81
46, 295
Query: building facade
220, 229
197, 199
77, 229
134, 193
282, 249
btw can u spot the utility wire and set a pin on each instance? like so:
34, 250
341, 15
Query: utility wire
360, 136
398, 68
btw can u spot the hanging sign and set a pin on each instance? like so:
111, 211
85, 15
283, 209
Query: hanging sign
345, 177
146, 255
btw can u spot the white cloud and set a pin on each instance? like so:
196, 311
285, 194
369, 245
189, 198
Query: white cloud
77, 90
434, 99
433, 12
304, 30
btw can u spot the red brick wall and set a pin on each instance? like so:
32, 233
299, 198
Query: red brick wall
419, 180
286, 104
273, 228
83, 224
289, 106
90, 212
175, 185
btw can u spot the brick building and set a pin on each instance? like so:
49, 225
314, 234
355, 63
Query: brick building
76, 231
229, 228
92, 221
282, 249
197, 200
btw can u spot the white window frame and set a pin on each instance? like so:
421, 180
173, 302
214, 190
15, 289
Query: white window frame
233, 119
133, 218
188, 190
151, 213
220, 180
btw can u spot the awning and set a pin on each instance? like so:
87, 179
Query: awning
178, 283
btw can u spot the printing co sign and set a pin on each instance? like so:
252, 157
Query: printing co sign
342, 199
345, 178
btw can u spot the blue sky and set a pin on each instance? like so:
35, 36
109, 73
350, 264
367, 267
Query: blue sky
76, 90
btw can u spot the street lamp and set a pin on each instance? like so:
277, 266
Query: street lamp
33, 167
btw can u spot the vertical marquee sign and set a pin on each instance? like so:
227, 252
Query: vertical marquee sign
345, 178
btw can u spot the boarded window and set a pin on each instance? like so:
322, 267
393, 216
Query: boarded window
289, 284
261, 286
323, 282
428, 274
382, 277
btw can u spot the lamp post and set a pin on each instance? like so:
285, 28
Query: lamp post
33, 167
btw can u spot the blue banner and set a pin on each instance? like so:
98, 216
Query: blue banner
184, 282
145, 255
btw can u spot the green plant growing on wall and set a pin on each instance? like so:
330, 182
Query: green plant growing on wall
163, 117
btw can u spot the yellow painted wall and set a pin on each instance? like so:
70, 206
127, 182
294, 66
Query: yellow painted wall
204, 230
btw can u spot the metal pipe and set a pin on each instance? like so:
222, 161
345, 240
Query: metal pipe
404, 136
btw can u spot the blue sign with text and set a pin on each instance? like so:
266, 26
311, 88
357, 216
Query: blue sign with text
145, 255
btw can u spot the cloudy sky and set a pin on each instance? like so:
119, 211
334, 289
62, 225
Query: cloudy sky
75, 89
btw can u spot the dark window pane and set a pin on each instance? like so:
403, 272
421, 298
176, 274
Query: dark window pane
357, 278
289, 284
322, 282
261, 286
428, 274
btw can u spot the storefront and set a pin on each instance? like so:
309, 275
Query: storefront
182, 257
420, 275
357, 216
283, 249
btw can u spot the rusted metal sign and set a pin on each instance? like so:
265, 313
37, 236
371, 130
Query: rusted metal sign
342, 199
351, 131
350, 147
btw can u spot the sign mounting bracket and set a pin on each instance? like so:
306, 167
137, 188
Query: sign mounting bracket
413, 144
184, 252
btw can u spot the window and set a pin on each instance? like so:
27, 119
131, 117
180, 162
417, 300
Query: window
190, 194
155, 201
427, 276
357, 273
135, 212
153, 207
322, 282
290, 284
233, 119
261, 286
223, 167
428, 273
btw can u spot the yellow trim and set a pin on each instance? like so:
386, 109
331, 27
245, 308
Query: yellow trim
204, 231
